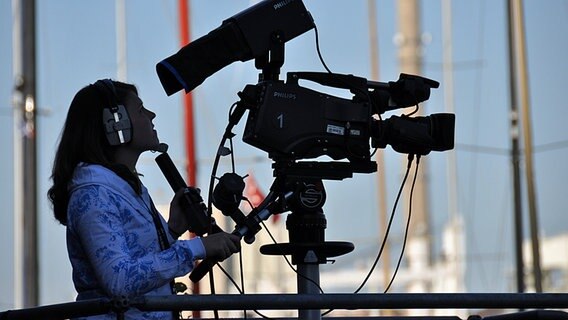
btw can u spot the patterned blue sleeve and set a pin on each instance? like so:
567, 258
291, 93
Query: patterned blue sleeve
121, 243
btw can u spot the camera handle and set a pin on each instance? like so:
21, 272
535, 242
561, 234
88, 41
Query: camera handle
271, 62
306, 228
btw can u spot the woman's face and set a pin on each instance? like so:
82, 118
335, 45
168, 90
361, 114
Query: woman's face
144, 136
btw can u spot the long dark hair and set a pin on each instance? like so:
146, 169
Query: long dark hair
83, 140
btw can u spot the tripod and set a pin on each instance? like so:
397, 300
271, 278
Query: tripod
306, 225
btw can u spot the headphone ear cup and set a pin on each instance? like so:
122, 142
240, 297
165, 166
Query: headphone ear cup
117, 126
116, 122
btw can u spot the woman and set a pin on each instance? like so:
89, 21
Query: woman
118, 244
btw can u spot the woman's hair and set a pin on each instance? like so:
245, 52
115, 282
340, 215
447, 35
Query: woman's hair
83, 139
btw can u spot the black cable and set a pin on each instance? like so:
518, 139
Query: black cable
364, 93
242, 279
241, 289
216, 162
232, 154
290, 264
385, 236
226, 135
212, 286
407, 220
374, 151
294, 269
386, 231
416, 108
318, 50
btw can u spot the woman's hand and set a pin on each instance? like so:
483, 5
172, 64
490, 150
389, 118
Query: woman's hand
219, 246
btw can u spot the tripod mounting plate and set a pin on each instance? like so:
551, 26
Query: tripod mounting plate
333, 170
302, 252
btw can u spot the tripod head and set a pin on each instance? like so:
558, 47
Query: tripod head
307, 223
298, 188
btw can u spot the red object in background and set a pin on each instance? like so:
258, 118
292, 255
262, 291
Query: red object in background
255, 195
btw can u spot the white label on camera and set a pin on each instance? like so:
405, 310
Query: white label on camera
355, 132
335, 130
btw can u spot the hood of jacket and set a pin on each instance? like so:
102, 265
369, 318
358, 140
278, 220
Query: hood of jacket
93, 174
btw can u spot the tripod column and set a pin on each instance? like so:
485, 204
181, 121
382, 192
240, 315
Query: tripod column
306, 229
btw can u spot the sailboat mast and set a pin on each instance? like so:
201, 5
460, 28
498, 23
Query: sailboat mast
515, 157
449, 102
456, 265
379, 157
520, 49
120, 18
25, 146
418, 251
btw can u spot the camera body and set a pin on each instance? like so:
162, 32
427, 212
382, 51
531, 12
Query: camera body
293, 122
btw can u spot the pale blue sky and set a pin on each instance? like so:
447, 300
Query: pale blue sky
76, 46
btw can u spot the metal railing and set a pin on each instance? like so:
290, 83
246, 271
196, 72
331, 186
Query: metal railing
541, 302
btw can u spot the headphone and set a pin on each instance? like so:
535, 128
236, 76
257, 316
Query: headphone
116, 122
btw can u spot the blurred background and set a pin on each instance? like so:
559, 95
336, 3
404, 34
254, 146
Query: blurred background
462, 235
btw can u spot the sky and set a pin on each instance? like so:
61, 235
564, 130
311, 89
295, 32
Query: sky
76, 46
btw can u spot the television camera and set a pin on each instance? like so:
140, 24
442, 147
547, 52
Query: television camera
294, 123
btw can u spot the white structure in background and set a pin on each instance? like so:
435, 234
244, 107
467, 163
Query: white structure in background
444, 275
451, 267
450, 270
554, 263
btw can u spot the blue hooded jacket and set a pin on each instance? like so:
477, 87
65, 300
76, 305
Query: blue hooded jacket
113, 244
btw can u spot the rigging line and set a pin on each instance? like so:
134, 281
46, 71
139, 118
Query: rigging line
478, 93
503, 230
171, 18
456, 65
207, 115
480, 149
489, 256
493, 257
475, 132
551, 146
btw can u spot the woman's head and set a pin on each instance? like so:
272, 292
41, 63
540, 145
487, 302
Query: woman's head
84, 130
84, 137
